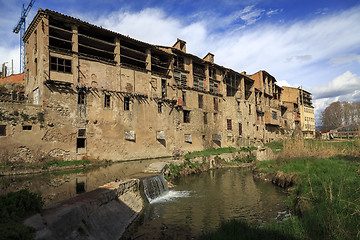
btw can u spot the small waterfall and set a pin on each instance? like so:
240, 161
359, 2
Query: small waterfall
154, 187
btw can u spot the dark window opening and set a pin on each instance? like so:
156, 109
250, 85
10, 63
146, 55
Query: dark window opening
80, 143
205, 118
35, 36
184, 98
126, 103
2, 130
107, 101
81, 97
200, 100
159, 107
60, 65
163, 88
216, 104
82, 133
179, 62
26, 127
80, 187
215, 117
249, 109
240, 129
212, 72
36, 67
228, 124
274, 115
186, 116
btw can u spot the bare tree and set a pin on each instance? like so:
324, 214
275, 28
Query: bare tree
332, 116
338, 114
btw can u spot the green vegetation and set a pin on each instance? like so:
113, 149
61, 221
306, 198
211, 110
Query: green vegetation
326, 197
13, 208
173, 171
276, 147
325, 200
61, 163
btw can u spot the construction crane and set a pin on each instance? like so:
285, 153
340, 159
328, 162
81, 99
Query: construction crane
20, 27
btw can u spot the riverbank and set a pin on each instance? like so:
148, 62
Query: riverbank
324, 180
210, 159
50, 166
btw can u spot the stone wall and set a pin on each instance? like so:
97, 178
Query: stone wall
100, 214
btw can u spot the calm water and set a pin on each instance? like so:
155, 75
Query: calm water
199, 203
57, 186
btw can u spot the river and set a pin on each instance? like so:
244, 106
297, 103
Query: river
199, 203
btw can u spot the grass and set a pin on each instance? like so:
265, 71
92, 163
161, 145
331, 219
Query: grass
61, 163
276, 147
14, 207
325, 200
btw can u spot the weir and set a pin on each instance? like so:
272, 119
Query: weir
154, 187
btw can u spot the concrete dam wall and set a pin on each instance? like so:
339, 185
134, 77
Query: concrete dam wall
103, 213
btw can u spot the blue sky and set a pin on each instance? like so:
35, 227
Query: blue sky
313, 44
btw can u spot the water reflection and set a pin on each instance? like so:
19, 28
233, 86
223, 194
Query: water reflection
58, 186
212, 197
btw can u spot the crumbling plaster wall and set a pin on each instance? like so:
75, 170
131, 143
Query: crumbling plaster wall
30, 136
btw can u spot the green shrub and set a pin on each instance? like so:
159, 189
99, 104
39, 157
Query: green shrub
14, 206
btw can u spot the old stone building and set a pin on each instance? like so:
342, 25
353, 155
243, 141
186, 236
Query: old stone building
301, 103
108, 96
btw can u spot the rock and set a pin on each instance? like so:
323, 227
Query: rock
263, 154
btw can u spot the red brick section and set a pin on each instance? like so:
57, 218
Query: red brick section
15, 78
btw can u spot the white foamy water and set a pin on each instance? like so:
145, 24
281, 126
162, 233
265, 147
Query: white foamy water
171, 196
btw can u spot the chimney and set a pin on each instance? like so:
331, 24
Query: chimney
209, 57
180, 44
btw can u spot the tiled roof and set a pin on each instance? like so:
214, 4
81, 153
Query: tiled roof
15, 78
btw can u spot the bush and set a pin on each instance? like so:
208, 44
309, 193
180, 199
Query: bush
13, 208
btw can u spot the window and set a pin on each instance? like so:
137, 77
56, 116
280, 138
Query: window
36, 67
2, 130
274, 115
215, 117
228, 124
107, 101
82, 133
126, 103
205, 118
36, 96
81, 97
26, 127
159, 107
60, 65
186, 116
163, 88
184, 98
216, 104
249, 109
240, 129
35, 36
200, 100
80, 143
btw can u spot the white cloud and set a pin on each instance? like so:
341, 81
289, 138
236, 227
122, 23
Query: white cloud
345, 58
283, 83
273, 12
345, 87
6, 55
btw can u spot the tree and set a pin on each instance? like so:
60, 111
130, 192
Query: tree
332, 116
338, 114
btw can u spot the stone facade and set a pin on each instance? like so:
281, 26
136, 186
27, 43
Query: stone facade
108, 96
304, 115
